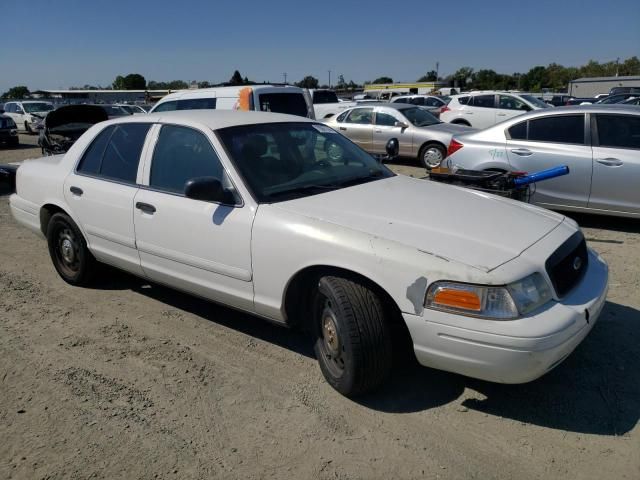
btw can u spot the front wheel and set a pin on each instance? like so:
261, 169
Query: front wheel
68, 250
431, 156
352, 338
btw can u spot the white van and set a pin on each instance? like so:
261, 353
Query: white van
265, 98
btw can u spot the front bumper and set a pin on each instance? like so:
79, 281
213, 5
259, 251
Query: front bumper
515, 351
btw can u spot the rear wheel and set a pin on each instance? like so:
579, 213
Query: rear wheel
431, 155
68, 250
352, 338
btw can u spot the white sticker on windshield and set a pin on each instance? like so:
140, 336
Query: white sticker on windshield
323, 128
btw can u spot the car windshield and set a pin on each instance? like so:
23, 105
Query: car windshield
37, 107
535, 101
420, 117
282, 161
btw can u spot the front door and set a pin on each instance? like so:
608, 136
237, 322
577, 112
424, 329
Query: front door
385, 130
197, 246
616, 163
551, 142
101, 190
509, 107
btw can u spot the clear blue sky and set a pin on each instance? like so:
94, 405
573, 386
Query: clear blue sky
57, 44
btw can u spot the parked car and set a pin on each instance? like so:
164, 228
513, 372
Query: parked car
631, 101
559, 100
8, 132
131, 109
27, 114
432, 103
599, 144
326, 103
64, 126
611, 99
265, 98
420, 134
619, 90
581, 101
248, 210
484, 109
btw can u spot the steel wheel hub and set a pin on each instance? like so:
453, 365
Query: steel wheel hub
330, 334
67, 251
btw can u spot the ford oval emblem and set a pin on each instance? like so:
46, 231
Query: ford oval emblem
577, 263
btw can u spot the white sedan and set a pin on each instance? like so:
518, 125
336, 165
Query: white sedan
248, 210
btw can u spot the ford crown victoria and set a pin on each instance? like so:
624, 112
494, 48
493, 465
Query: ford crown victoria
249, 210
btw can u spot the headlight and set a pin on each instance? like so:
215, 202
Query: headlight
491, 302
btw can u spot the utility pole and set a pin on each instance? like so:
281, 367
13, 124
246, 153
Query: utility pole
437, 69
329, 78
617, 68
285, 77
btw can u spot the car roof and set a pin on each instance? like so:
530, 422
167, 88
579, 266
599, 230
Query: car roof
394, 105
215, 119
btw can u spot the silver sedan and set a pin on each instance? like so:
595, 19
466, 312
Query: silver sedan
419, 133
599, 143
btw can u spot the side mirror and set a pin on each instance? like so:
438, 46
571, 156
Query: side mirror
526, 108
392, 148
1, 111
208, 189
402, 125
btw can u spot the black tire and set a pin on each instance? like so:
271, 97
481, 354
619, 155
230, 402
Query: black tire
431, 155
68, 250
352, 337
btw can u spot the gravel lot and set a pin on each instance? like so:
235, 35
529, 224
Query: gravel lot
132, 380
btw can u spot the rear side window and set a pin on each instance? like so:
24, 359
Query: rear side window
401, 100
433, 102
291, 103
417, 101
167, 106
619, 131
181, 154
342, 116
323, 96
463, 100
115, 153
558, 129
361, 116
518, 131
485, 101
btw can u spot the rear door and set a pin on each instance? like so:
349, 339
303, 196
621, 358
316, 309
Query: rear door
358, 127
480, 112
616, 163
547, 142
101, 190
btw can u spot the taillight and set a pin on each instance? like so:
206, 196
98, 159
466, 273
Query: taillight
454, 146
445, 109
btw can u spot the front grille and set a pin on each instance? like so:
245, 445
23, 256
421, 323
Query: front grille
568, 264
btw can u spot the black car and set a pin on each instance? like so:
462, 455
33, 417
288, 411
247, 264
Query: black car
64, 126
621, 97
8, 131
619, 90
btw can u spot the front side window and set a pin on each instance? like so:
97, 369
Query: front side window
558, 129
507, 102
362, 116
37, 107
618, 131
10, 108
401, 100
385, 119
433, 102
115, 152
484, 101
342, 116
282, 161
417, 101
291, 103
182, 154
535, 101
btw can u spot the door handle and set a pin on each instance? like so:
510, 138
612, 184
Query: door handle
378, 131
343, 128
501, 114
610, 162
523, 152
146, 208
76, 191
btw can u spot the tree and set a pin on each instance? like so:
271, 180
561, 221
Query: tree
133, 81
462, 76
631, 66
204, 84
383, 80
16, 93
431, 76
236, 79
308, 82
341, 85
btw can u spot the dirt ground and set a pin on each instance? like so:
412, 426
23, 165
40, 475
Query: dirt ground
132, 380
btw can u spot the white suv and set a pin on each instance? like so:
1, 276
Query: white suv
484, 109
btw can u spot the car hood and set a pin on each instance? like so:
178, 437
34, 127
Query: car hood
75, 114
449, 128
470, 227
